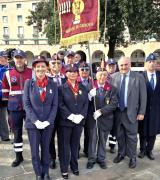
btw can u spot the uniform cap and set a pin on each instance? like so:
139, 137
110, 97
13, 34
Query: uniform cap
83, 65
70, 53
111, 61
19, 53
151, 57
38, 59
71, 68
3, 54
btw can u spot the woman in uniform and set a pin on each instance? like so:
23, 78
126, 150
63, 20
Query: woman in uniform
40, 103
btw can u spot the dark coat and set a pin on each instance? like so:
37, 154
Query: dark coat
68, 104
150, 126
35, 108
107, 107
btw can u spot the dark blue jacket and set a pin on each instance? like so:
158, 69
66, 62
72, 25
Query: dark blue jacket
35, 108
68, 104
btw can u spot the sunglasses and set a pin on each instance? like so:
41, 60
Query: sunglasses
56, 63
84, 69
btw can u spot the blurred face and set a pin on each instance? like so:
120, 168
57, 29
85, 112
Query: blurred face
124, 65
72, 76
84, 72
60, 56
3, 61
101, 77
77, 57
19, 61
40, 69
55, 66
151, 66
70, 59
111, 68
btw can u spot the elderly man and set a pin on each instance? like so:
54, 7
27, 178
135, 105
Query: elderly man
132, 105
150, 127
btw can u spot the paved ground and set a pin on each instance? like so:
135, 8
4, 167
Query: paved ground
145, 170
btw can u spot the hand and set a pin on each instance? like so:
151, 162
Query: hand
97, 114
92, 92
45, 124
39, 124
71, 117
140, 117
77, 118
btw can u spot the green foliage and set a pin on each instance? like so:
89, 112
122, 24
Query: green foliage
142, 17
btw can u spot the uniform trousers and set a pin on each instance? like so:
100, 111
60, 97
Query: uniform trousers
97, 145
126, 135
40, 139
146, 143
4, 132
69, 139
17, 118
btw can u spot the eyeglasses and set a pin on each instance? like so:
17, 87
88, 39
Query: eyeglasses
84, 69
56, 63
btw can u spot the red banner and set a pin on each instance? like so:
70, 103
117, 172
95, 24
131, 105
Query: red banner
79, 21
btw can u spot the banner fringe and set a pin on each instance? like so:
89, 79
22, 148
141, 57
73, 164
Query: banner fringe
88, 36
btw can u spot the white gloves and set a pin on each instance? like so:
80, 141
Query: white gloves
41, 125
45, 124
97, 114
76, 118
92, 93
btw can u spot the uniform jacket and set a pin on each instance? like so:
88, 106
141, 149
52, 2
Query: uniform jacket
68, 104
137, 95
3, 69
151, 124
106, 103
12, 87
35, 108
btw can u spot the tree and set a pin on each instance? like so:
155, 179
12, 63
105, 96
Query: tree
141, 17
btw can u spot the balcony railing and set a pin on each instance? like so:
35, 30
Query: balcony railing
6, 36
35, 35
20, 36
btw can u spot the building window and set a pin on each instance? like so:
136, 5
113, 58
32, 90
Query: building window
5, 30
36, 42
34, 6
19, 18
6, 42
5, 19
20, 32
4, 7
35, 32
21, 42
19, 6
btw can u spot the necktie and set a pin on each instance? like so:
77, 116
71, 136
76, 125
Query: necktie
152, 81
85, 82
57, 80
122, 94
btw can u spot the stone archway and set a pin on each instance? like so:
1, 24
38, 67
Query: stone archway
82, 54
29, 58
97, 56
118, 54
138, 58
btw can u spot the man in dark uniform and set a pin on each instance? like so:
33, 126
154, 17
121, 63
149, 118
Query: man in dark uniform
55, 74
101, 120
12, 89
85, 79
150, 126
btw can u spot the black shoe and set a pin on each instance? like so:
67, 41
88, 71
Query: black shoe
6, 139
132, 163
90, 165
112, 150
150, 155
76, 173
47, 177
18, 160
38, 178
65, 175
52, 164
118, 158
102, 165
141, 154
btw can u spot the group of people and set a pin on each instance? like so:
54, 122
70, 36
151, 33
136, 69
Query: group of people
58, 96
